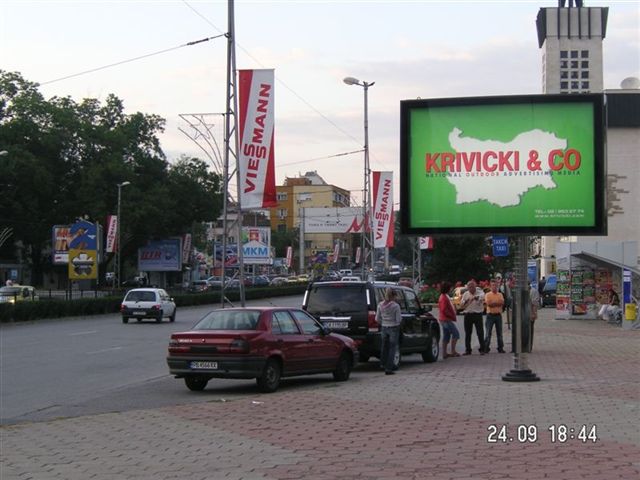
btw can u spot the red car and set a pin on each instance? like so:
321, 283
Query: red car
265, 343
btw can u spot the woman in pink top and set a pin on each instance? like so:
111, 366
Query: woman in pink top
447, 318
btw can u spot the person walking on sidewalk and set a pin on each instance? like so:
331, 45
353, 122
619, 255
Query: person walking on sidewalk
447, 317
389, 317
473, 307
495, 304
534, 301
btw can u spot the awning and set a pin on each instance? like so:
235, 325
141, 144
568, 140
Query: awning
605, 262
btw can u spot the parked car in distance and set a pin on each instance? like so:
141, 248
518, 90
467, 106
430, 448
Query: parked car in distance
18, 293
214, 282
351, 279
259, 281
143, 303
548, 296
276, 281
199, 286
345, 272
265, 343
349, 308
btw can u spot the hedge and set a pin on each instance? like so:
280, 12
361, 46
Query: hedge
55, 308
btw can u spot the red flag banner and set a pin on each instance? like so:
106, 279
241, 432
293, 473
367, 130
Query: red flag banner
426, 243
382, 209
256, 151
112, 225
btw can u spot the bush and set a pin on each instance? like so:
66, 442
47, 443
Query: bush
55, 308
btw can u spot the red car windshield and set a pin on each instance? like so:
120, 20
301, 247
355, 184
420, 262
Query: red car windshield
229, 320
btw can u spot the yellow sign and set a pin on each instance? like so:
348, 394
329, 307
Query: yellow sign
83, 264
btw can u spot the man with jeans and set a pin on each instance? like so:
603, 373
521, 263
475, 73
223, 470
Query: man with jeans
495, 304
473, 305
389, 317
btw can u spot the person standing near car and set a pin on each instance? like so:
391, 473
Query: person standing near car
447, 317
473, 307
495, 305
389, 317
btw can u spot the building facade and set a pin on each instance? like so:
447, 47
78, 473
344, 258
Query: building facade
306, 191
571, 40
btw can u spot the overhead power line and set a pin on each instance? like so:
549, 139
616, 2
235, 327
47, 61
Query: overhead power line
189, 44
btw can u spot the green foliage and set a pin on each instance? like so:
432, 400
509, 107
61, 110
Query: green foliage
429, 294
65, 160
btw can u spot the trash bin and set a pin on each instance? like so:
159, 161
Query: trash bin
630, 311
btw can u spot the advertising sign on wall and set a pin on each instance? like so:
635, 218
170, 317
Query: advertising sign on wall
161, 256
332, 220
522, 164
256, 245
256, 150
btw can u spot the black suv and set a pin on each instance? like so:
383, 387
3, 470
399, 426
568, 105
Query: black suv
349, 308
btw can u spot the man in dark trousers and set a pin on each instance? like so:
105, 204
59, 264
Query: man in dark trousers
473, 308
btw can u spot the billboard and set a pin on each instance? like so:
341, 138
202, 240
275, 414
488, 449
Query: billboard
332, 220
60, 240
531, 164
256, 246
83, 264
256, 149
161, 256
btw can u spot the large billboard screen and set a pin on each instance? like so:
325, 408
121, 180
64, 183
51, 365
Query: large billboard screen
161, 256
530, 164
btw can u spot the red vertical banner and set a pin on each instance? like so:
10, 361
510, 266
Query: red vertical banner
289, 256
256, 150
112, 234
382, 209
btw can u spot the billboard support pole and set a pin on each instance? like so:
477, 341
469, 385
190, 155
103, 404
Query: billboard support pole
521, 307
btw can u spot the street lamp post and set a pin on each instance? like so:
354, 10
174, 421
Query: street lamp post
366, 194
118, 224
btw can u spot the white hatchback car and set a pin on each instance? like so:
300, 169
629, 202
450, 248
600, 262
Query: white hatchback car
152, 303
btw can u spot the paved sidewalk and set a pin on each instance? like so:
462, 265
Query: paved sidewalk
430, 421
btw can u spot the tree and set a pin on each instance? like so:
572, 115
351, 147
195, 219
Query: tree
66, 158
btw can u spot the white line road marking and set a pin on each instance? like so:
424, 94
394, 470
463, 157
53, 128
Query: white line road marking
104, 350
89, 332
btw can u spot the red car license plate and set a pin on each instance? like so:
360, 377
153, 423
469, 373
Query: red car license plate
204, 365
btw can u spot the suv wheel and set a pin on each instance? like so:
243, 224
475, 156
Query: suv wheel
430, 355
159, 317
125, 319
172, 318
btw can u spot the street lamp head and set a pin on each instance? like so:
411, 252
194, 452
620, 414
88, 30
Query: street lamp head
3, 153
351, 81
124, 184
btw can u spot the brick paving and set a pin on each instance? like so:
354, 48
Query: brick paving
430, 421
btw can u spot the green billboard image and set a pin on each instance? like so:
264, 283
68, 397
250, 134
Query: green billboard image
525, 164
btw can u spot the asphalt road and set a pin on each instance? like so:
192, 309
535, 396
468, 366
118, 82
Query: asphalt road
86, 365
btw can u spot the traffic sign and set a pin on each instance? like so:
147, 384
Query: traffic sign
500, 246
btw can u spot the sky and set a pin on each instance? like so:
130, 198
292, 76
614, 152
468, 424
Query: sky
410, 49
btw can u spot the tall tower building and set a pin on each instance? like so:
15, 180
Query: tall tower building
571, 41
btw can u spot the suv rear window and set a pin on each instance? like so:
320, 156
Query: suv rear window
338, 298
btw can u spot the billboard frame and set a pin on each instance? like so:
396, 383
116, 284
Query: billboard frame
597, 102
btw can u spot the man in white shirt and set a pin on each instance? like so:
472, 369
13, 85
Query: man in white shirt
473, 309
